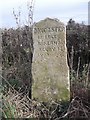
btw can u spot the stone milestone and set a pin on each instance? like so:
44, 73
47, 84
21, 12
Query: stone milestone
49, 68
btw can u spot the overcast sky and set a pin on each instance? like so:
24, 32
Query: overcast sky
61, 9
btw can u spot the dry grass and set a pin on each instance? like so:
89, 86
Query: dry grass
17, 105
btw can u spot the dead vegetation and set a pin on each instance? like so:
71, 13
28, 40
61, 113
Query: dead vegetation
19, 105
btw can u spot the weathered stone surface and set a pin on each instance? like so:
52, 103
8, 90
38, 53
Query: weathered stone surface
49, 69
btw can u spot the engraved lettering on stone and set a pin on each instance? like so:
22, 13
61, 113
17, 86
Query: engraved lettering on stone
49, 68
